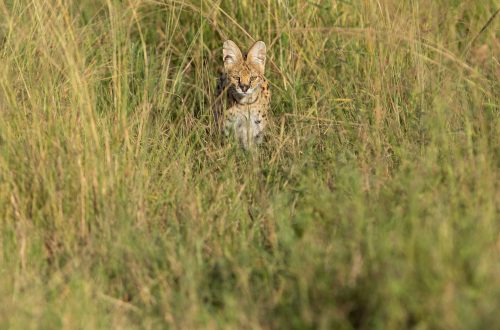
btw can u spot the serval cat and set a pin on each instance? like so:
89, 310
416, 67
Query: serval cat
243, 94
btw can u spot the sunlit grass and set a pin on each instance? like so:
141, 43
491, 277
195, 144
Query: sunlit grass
372, 204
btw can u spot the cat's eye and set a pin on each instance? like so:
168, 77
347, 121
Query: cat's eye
252, 79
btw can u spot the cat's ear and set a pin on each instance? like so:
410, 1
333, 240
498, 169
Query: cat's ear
231, 54
257, 55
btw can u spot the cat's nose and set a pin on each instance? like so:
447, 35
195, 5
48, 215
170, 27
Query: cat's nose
244, 88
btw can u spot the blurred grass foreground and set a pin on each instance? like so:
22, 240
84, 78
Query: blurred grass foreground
374, 203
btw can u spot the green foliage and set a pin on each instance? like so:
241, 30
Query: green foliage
372, 204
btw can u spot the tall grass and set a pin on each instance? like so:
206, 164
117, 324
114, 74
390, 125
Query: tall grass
372, 204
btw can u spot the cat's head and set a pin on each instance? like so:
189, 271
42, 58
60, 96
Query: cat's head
245, 73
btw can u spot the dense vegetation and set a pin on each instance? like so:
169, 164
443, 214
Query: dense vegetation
372, 204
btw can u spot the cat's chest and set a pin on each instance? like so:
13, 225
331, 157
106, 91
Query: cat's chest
248, 122
254, 115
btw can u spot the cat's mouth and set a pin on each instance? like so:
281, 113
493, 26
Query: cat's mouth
244, 94
248, 92
248, 97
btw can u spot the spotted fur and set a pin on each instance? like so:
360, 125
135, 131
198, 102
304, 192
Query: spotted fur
243, 94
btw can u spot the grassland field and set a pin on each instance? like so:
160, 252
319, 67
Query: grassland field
373, 203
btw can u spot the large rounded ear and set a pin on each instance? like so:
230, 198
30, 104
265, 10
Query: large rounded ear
257, 55
231, 54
